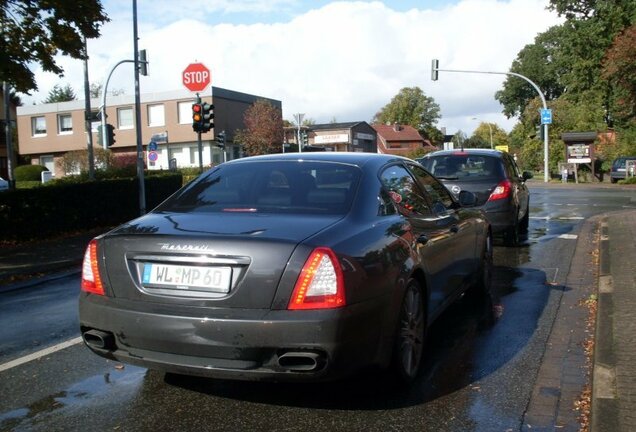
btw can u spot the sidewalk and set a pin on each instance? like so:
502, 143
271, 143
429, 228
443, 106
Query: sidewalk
614, 381
614, 365
29, 263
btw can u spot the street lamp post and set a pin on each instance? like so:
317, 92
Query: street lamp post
299, 119
489, 128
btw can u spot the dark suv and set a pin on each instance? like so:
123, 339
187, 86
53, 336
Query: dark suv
619, 170
494, 178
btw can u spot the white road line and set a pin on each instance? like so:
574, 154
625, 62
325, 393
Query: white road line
571, 218
540, 217
568, 236
40, 354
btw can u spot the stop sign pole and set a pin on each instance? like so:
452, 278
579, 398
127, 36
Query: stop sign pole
196, 77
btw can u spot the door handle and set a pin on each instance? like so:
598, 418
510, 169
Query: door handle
454, 229
423, 239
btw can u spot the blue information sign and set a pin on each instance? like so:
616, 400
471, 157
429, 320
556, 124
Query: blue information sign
152, 146
546, 116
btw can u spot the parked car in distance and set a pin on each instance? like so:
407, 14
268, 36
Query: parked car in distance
619, 168
286, 267
4, 184
494, 177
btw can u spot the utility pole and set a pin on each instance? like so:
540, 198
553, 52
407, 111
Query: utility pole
140, 150
88, 119
8, 133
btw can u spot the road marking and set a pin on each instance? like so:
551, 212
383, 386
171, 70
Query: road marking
540, 217
568, 236
571, 218
40, 354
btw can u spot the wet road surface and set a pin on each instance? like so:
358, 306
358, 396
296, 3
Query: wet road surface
479, 374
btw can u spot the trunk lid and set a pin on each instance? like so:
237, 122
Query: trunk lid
207, 260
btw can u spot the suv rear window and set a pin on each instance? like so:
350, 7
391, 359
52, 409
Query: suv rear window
464, 167
270, 187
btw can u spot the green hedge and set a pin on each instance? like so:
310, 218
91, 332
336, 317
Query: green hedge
69, 207
29, 172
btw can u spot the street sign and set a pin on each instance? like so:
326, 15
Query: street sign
196, 77
152, 146
546, 116
160, 138
153, 156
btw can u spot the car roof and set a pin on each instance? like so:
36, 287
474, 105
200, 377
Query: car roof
463, 152
353, 158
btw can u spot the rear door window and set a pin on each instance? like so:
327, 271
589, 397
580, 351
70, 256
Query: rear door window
404, 191
270, 187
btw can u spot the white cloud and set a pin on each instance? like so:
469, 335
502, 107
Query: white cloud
343, 60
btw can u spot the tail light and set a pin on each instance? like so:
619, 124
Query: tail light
502, 191
91, 280
320, 284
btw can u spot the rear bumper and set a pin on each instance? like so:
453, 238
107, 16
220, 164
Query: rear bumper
501, 215
240, 344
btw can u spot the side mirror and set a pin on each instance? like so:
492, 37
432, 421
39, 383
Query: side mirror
467, 199
527, 175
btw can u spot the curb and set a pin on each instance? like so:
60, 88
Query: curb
604, 416
32, 282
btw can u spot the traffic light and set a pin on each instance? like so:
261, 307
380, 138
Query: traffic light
220, 139
100, 135
197, 116
304, 138
540, 132
143, 63
207, 116
110, 135
434, 69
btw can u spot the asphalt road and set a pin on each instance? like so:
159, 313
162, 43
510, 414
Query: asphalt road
479, 374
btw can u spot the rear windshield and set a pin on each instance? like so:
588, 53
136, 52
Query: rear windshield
463, 167
270, 187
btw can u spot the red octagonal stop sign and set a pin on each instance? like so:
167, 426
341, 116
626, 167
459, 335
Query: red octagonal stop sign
196, 77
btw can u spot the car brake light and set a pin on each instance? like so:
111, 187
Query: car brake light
320, 284
502, 191
91, 280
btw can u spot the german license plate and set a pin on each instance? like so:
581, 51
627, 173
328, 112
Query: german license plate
213, 279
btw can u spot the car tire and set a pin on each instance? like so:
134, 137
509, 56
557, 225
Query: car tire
410, 335
525, 222
484, 282
511, 235
613, 180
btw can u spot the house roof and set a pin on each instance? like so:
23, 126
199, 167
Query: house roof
405, 133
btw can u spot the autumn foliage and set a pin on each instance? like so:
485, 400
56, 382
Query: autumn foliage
263, 133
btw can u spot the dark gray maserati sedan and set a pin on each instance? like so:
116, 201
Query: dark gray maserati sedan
286, 267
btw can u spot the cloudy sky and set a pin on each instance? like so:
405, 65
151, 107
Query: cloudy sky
327, 59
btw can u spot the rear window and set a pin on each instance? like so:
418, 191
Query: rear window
463, 167
270, 187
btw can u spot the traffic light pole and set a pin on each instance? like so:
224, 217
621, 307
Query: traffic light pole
200, 143
435, 69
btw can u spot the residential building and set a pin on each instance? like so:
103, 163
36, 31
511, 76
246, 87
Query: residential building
340, 137
400, 139
48, 131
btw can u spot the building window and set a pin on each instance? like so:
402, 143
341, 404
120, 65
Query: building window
125, 118
156, 115
65, 124
38, 126
185, 112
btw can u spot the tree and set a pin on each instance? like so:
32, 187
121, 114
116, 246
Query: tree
481, 136
60, 94
412, 107
543, 63
34, 32
619, 68
96, 91
263, 131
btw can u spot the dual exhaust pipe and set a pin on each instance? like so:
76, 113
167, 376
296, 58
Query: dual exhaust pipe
99, 340
301, 361
293, 361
